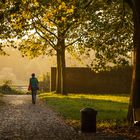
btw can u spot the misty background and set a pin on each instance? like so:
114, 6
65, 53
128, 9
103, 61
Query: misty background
18, 69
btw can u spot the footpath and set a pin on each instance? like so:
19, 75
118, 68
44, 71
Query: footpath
22, 120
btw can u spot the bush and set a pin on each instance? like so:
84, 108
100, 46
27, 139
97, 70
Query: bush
44, 83
6, 88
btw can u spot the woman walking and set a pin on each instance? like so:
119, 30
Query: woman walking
33, 86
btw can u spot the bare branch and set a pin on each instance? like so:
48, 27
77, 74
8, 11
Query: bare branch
73, 42
68, 27
50, 42
36, 29
45, 35
53, 22
88, 3
44, 27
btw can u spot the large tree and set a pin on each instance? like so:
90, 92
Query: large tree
50, 25
44, 26
111, 43
135, 89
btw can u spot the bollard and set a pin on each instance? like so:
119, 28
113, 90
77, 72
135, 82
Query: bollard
88, 120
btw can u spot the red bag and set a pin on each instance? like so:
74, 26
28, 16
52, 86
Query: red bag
29, 87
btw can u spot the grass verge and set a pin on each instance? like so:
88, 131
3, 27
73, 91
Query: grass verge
111, 108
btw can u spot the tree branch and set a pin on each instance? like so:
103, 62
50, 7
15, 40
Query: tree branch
46, 28
88, 3
50, 42
73, 42
68, 27
53, 22
36, 29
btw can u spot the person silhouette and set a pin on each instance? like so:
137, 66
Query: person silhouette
33, 86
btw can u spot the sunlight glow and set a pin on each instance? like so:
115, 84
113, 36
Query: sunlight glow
113, 98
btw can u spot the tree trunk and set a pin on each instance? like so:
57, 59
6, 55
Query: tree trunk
58, 72
135, 89
63, 64
60, 78
130, 107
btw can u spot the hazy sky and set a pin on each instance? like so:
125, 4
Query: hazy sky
19, 69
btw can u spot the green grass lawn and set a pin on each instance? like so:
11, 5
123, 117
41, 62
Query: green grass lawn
109, 107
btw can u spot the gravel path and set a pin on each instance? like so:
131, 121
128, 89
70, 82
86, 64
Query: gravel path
21, 120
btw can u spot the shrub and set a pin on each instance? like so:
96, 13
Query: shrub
44, 83
7, 89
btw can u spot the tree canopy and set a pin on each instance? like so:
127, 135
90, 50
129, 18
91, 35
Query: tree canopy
111, 37
103, 26
77, 26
